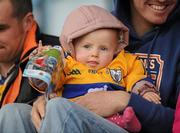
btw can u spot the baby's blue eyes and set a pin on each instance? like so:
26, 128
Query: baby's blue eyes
104, 49
101, 48
86, 46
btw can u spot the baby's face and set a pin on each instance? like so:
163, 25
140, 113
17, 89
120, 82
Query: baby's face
96, 49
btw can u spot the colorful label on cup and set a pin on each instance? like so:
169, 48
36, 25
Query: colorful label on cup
42, 63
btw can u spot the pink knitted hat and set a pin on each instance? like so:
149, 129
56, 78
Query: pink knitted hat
86, 19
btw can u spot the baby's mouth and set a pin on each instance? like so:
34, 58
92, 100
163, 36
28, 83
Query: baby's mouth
92, 63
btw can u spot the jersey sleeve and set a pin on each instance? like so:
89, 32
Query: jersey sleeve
135, 72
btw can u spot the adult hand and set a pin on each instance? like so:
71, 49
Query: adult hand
38, 111
104, 103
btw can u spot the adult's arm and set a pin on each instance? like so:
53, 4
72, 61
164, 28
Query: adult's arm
153, 117
156, 117
105, 103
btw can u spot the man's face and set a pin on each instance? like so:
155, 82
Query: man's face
12, 34
153, 11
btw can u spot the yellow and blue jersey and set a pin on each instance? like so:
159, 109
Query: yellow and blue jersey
121, 74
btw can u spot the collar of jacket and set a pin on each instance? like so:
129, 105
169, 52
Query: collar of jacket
29, 44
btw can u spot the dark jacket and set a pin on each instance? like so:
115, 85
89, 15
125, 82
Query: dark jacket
159, 49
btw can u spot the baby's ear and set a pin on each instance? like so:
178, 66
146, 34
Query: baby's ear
119, 49
122, 41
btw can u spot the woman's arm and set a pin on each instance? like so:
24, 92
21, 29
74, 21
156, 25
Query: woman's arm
153, 117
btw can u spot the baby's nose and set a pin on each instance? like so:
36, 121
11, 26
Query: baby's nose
95, 53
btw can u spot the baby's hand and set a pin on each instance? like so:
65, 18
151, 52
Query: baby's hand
42, 48
148, 91
152, 97
39, 50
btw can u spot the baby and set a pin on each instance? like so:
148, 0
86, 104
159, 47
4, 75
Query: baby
93, 41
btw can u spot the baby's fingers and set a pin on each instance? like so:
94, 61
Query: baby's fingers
152, 97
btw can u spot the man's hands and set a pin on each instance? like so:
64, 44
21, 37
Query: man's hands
105, 103
38, 111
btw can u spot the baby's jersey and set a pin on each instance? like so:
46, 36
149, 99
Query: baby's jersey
121, 74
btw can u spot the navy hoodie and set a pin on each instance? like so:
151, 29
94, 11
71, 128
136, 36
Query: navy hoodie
159, 49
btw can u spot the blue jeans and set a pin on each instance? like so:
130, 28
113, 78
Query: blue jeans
62, 116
